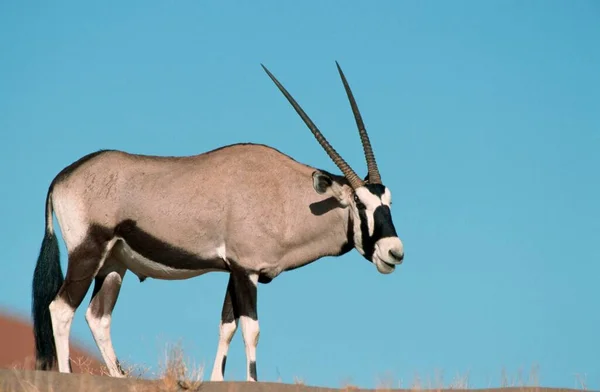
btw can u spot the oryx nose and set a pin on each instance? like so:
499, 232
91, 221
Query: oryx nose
397, 255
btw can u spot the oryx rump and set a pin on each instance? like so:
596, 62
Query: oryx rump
245, 209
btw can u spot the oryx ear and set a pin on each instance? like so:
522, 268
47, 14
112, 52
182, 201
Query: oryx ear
325, 183
321, 181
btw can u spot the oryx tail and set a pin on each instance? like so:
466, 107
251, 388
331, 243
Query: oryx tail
47, 280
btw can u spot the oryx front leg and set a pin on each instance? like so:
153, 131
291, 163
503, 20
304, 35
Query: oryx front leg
227, 328
99, 316
245, 299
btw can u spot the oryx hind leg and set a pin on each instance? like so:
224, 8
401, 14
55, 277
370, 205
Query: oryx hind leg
107, 286
84, 261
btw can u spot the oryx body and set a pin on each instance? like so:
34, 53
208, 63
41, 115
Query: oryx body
246, 209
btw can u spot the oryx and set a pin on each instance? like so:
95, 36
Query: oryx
245, 209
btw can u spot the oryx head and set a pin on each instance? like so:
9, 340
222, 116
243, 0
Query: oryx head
369, 200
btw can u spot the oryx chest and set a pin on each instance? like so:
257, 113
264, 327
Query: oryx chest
167, 264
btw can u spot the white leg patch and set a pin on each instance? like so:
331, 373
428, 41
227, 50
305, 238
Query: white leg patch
62, 316
226, 333
251, 333
100, 327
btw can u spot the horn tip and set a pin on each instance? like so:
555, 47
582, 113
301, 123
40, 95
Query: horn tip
269, 73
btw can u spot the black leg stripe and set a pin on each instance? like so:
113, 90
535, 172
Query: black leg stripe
223, 365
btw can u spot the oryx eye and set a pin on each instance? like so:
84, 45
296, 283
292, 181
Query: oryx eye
359, 204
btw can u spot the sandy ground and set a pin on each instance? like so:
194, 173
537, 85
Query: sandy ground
16, 374
34, 381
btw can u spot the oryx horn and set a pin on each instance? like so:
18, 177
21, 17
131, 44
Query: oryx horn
353, 178
374, 177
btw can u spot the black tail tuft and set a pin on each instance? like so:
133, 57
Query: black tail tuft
47, 281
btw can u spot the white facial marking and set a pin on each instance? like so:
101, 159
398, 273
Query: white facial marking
383, 267
386, 198
62, 316
358, 236
371, 202
388, 251
371, 223
382, 258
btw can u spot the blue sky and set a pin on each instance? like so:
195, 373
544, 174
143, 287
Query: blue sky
485, 118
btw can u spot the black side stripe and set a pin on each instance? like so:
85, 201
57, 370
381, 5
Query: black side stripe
157, 250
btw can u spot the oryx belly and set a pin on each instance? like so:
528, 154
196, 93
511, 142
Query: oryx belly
144, 267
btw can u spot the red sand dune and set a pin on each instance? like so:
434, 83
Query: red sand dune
17, 348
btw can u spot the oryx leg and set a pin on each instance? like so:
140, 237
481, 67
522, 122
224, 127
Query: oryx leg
99, 313
245, 300
84, 262
227, 328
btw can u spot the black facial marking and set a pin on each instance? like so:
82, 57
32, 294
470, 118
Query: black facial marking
253, 370
157, 250
359, 204
368, 242
382, 219
376, 189
384, 227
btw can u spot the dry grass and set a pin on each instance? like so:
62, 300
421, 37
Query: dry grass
460, 381
178, 373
